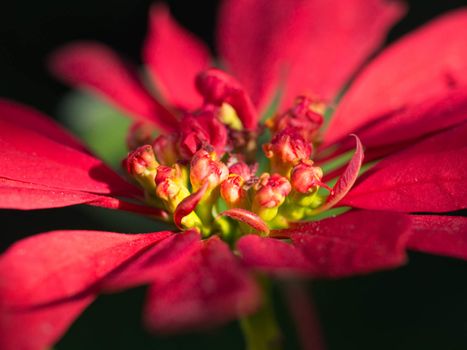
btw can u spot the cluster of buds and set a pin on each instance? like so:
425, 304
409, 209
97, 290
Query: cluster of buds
206, 170
193, 191
275, 198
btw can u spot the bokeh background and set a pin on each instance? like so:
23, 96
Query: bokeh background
420, 306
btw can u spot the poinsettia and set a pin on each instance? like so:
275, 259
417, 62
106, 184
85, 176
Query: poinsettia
231, 219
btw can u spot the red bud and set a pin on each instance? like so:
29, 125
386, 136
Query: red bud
232, 190
141, 160
286, 149
305, 177
271, 190
205, 168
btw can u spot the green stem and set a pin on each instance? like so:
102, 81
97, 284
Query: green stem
260, 330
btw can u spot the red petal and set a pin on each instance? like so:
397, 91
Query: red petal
174, 57
165, 258
61, 264
31, 157
115, 203
398, 131
419, 77
25, 196
443, 235
346, 180
311, 47
273, 255
353, 243
94, 66
47, 280
29, 118
211, 288
427, 177
39, 328
247, 217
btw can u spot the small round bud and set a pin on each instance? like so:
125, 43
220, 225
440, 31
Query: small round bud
286, 149
305, 177
271, 190
141, 160
205, 167
171, 185
141, 164
243, 169
232, 190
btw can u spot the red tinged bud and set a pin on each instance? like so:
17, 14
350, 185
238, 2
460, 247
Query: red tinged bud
171, 185
218, 87
140, 134
271, 190
141, 164
286, 149
244, 170
141, 161
305, 177
206, 168
166, 182
166, 150
306, 116
201, 131
232, 191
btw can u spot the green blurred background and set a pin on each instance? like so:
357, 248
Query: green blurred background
420, 306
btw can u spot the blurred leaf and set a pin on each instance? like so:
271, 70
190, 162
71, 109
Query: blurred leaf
100, 126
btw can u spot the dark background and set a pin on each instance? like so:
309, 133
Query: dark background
420, 306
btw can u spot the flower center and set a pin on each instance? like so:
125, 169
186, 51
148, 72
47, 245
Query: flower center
206, 174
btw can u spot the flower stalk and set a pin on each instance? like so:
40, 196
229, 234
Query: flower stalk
261, 330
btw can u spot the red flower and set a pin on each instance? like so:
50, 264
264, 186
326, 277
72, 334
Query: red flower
408, 106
